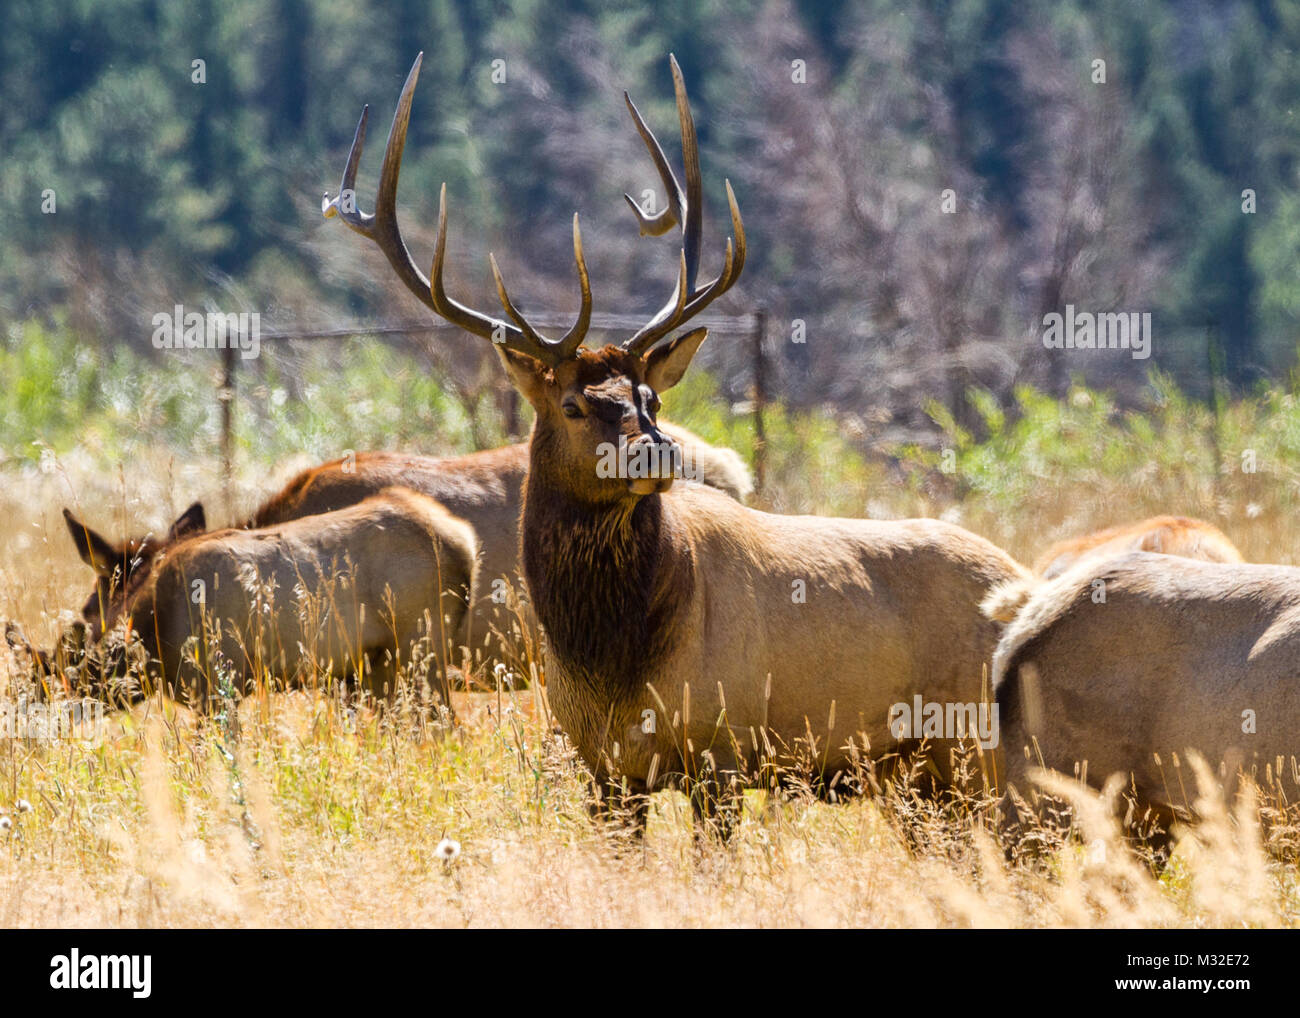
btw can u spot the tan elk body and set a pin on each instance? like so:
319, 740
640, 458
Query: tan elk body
1168, 535
1143, 656
687, 605
344, 592
683, 627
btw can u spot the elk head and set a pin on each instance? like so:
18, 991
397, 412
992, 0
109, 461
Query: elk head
83, 661
595, 434
121, 568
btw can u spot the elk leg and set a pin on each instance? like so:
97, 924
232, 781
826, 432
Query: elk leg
619, 805
453, 645
717, 801
1148, 829
188, 683
423, 650
439, 686
380, 678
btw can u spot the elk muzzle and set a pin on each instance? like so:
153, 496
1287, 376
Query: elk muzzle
653, 461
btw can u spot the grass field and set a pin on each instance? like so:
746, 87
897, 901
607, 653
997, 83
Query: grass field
289, 812
308, 819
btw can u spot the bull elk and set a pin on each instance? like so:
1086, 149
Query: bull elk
1121, 666
686, 631
350, 592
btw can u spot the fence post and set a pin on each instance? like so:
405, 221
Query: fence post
1214, 360
760, 399
226, 397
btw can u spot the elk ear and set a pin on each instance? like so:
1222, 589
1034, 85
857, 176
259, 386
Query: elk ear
191, 521
666, 364
527, 373
93, 549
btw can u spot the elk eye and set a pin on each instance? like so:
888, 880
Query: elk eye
652, 401
571, 408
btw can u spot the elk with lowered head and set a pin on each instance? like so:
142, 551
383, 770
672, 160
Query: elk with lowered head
690, 636
348, 593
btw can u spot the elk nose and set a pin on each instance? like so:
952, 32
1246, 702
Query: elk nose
655, 452
652, 463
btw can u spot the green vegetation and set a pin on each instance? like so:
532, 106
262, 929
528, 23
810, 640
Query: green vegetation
122, 406
1042, 459
1162, 178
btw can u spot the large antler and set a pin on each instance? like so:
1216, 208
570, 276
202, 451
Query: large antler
684, 207
381, 227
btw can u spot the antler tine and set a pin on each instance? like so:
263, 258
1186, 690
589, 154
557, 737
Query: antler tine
515, 314
686, 208
521, 337
693, 221
381, 225
571, 340
458, 314
671, 214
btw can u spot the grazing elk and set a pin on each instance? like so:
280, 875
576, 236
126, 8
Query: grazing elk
353, 590
686, 631
1168, 535
114, 566
1122, 665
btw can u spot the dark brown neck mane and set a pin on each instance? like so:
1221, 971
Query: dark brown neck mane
606, 582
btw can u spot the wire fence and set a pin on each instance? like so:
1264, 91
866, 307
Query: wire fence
752, 327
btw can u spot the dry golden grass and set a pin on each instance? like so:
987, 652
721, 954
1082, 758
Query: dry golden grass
294, 813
